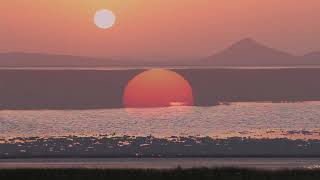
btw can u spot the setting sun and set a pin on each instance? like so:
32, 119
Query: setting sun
158, 88
104, 19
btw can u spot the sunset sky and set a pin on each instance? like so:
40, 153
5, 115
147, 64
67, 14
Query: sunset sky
157, 28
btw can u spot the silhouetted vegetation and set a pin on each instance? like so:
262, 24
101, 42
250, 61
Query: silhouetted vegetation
200, 174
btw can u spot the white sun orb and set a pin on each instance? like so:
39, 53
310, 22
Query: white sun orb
104, 19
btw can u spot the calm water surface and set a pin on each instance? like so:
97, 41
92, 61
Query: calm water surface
259, 120
164, 163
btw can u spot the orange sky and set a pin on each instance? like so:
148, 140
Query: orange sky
157, 28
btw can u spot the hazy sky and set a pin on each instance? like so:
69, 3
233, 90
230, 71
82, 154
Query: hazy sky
157, 28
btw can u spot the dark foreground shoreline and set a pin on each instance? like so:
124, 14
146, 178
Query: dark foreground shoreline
127, 146
141, 174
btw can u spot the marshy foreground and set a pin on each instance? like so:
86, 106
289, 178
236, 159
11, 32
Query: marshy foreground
202, 173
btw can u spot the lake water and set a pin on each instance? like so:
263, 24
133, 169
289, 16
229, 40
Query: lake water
257, 120
164, 163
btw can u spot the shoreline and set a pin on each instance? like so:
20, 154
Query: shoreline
178, 173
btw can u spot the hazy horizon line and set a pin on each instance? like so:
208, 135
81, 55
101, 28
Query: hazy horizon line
160, 57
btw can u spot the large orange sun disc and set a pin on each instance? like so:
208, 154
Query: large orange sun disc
158, 88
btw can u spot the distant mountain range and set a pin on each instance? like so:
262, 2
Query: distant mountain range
246, 52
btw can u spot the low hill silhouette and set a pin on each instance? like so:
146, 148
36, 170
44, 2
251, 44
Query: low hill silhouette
248, 52
18, 59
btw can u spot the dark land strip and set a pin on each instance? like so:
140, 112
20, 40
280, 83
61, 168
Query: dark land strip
204, 173
90, 89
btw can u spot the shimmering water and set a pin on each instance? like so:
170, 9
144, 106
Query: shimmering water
258, 120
